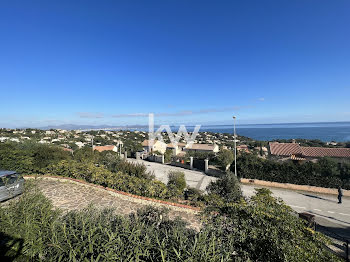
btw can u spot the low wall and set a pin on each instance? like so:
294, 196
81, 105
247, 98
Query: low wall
155, 158
314, 189
178, 164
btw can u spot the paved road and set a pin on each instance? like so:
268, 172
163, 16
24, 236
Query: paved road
326, 208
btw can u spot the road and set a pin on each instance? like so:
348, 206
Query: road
325, 207
328, 212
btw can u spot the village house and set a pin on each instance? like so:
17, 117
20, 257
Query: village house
209, 148
80, 144
243, 148
106, 148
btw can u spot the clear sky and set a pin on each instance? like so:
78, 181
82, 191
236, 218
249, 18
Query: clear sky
112, 62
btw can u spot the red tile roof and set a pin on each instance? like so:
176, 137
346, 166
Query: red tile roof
323, 151
148, 142
288, 149
284, 149
104, 148
67, 149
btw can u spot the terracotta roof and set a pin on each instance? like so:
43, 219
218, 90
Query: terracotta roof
323, 151
288, 149
147, 142
103, 148
284, 149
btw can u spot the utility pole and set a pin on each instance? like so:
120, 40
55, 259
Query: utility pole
92, 143
234, 135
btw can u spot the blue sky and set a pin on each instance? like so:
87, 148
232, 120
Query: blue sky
112, 62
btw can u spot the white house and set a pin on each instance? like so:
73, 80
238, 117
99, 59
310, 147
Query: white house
203, 148
80, 144
157, 145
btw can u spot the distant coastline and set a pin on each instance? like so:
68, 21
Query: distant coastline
324, 131
330, 131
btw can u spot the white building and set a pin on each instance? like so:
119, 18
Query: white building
157, 145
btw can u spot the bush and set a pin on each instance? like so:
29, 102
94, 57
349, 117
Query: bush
176, 183
262, 229
226, 188
25, 225
265, 229
325, 173
117, 180
29, 158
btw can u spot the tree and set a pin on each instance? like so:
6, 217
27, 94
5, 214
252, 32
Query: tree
225, 158
167, 155
86, 154
44, 155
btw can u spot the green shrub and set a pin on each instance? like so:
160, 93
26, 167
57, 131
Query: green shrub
325, 173
265, 229
227, 188
176, 183
262, 229
99, 175
29, 158
26, 225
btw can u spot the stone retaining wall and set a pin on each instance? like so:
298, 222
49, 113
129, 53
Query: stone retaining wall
322, 190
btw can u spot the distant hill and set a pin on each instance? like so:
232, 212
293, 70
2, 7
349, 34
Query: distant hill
84, 127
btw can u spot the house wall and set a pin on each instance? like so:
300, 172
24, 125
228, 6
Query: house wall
160, 147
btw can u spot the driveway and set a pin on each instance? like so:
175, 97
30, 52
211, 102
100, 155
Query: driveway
194, 178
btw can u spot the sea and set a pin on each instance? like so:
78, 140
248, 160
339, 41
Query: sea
327, 132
